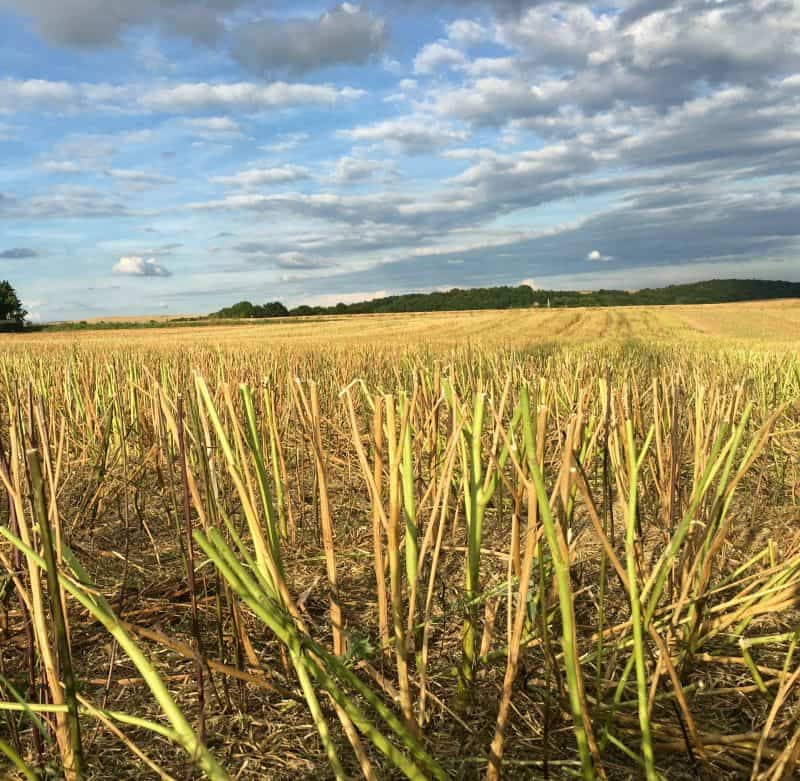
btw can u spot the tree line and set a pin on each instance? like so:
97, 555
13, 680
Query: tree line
713, 291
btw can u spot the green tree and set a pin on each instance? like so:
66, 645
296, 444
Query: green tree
10, 305
273, 309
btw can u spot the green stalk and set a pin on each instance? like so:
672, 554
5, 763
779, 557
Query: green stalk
409, 500
254, 441
123, 718
272, 425
99, 608
475, 512
260, 601
282, 626
639, 650
17, 762
658, 579
564, 587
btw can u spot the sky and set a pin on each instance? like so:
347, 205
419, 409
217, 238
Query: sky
176, 156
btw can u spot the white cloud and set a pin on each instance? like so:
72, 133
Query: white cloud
175, 98
65, 202
491, 66
142, 178
62, 166
16, 95
287, 143
391, 65
214, 125
140, 267
576, 56
299, 261
470, 153
561, 35
331, 299
435, 56
256, 177
34, 309
669, 130
405, 88
245, 95
349, 170
409, 135
466, 32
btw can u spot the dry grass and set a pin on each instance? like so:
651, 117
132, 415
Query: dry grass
773, 323
710, 398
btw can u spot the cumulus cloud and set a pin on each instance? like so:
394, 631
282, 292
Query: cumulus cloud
245, 96
345, 35
257, 177
574, 56
561, 35
175, 98
652, 131
708, 145
467, 32
18, 253
410, 135
350, 170
89, 24
86, 24
33, 306
435, 56
133, 266
17, 94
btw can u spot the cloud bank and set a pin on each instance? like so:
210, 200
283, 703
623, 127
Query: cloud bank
294, 151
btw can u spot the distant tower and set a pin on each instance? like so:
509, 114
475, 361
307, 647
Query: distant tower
548, 302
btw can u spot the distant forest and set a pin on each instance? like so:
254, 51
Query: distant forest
715, 291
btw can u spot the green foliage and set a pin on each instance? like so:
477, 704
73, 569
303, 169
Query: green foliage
440, 301
11, 309
245, 309
713, 291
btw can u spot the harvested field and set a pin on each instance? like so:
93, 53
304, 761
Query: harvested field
520, 544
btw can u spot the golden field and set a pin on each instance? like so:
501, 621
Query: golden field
772, 323
518, 544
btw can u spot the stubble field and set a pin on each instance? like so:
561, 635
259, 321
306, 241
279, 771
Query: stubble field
523, 544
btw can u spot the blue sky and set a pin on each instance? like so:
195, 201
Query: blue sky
175, 156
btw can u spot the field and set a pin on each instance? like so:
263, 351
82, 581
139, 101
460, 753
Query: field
772, 323
519, 544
